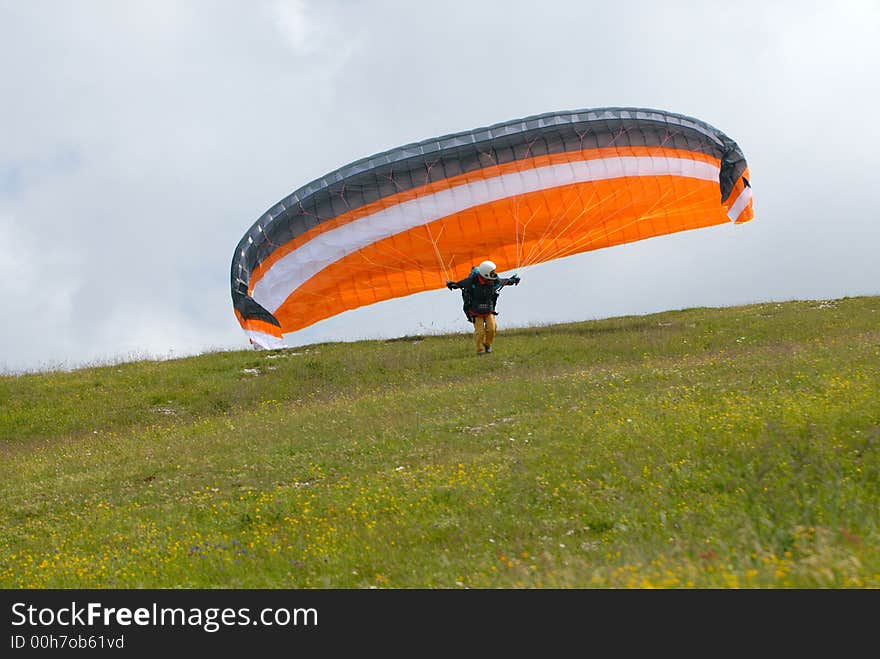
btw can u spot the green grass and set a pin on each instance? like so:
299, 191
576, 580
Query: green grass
703, 448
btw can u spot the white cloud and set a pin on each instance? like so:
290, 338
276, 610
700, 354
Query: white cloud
294, 20
40, 281
141, 140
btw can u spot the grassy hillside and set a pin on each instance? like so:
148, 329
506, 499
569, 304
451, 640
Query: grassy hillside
731, 448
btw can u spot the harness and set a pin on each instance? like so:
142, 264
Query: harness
478, 298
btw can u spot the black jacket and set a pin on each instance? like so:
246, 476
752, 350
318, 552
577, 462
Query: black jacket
480, 295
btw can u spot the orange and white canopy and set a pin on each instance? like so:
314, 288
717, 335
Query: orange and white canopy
521, 192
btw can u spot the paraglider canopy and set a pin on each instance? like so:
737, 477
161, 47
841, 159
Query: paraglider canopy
525, 191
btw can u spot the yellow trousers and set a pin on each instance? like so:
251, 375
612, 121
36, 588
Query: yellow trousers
484, 332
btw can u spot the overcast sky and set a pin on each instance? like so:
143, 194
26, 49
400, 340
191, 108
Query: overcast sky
141, 140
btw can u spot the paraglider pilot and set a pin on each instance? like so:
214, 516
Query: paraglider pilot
479, 291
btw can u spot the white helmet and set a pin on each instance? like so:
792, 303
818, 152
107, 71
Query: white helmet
487, 270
